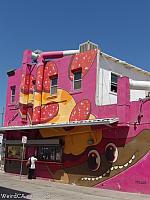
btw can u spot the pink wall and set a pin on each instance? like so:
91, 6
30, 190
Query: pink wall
135, 179
88, 83
11, 108
127, 112
64, 83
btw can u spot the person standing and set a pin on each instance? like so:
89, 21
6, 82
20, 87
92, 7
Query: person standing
32, 166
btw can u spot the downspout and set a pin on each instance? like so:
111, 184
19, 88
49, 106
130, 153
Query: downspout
39, 83
53, 54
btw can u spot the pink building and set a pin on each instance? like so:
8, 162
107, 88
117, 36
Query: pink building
53, 99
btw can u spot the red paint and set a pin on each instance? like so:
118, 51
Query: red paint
81, 111
49, 111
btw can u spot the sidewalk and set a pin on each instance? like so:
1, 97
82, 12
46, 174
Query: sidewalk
45, 189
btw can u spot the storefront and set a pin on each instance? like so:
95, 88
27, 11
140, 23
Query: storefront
61, 142
47, 151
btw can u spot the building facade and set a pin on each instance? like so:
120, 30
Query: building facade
86, 116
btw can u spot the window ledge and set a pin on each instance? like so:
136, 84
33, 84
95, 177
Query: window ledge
113, 93
75, 92
12, 104
52, 97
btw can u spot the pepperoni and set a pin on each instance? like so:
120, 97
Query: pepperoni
25, 81
49, 71
39, 78
49, 111
36, 114
27, 84
81, 111
82, 61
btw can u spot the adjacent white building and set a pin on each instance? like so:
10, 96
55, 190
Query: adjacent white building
110, 69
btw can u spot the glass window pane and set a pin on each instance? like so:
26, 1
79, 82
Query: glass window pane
12, 98
53, 90
77, 75
114, 88
77, 85
77, 80
114, 78
53, 87
58, 154
51, 153
14, 151
54, 81
13, 90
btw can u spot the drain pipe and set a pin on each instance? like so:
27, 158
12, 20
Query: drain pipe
40, 73
54, 54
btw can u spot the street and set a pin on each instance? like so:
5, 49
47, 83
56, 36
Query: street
11, 187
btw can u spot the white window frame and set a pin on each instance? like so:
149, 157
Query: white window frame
12, 98
52, 86
77, 80
118, 75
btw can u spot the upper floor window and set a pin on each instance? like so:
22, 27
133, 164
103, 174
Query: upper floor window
113, 86
54, 85
77, 81
13, 91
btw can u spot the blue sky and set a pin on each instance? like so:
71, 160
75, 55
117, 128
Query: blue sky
120, 28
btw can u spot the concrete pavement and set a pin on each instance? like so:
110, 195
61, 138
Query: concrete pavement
44, 189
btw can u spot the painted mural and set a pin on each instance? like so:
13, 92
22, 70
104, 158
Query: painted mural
114, 156
39, 106
105, 160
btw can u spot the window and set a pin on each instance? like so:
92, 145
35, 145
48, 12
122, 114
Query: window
13, 91
14, 151
147, 93
50, 153
77, 80
54, 85
114, 78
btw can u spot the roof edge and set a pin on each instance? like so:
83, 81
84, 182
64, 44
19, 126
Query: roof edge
105, 121
119, 61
